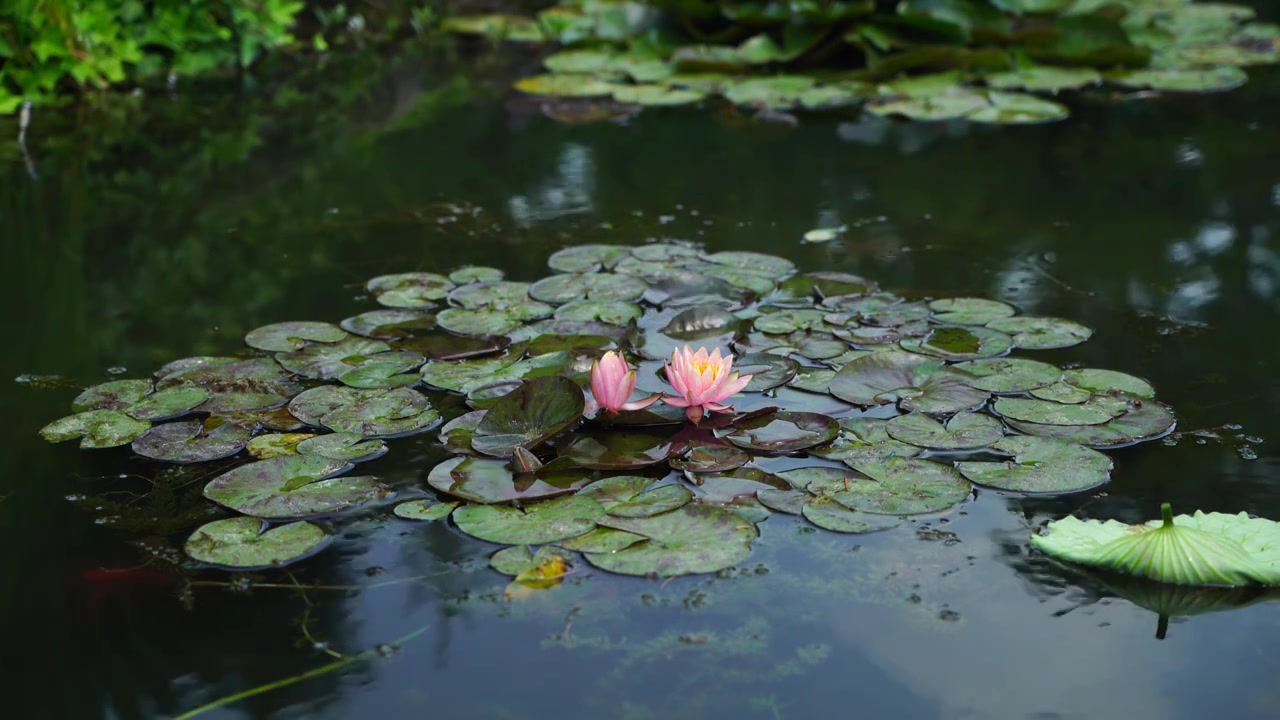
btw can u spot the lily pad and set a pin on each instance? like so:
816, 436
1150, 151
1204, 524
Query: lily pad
601, 540
803, 478
756, 263
288, 336
423, 510
617, 449
350, 447
538, 410
480, 322
730, 485
1051, 413
969, 311
234, 402
1144, 422
964, 431
382, 413
628, 496
828, 514
791, 502
256, 375
1212, 549
1045, 78
657, 95
245, 543
689, 540
587, 258
786, 321
497, 295
1011, 108
864, 439
272, 445
709, 457
192, 441
1109, 381
567, 86
519, 560
409, 290
1040, 465
168, 403
328, 361
1009, 375
1202, 80
904, 486
1042, 333
535, 524
475, 274
814, 380
389, 324
917, 382
767, 371
781, 433
113, 395
568, 287
96, 429
293, 486
485, 480
612, 312
1062, 392
384, 370
960, 343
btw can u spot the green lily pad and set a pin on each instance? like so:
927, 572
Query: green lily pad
790, 502
538, 410
824, 284
969, 311
730, 485
384, 370
587, 258
904, 486
272, 445
467, 375
113, 395
757, 263
475, 274
245, 543
409, 290
657, 95
328, 361
1042, 333
615, 490
601, 540
1011, 108
423, 510
1040, 465
781, 92
700, 322
96, 429
587, 62
192, 441
346, 446
568, 287
497, 295
288, 336
864, 439
496, 27
689, 540
257, 375
292, 486
567, 86
389, 324
814, 380
183, 366
708, 457
1144, 422
479, 322
518, 560
1051, 413
781, 433
535, 524
612, 312
1045, 78
168, 403
767, 371
485, 480
1201, 80
831, 515
917, 382
626, 496
1109, 381
1062, 392
960, 343
1009, 375
964, 431
951, 104
804, 478
381, 413
785, 321
617, 449
1201, 549
234, 402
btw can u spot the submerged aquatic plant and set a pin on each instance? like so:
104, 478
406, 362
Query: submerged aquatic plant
612, 381
704, 381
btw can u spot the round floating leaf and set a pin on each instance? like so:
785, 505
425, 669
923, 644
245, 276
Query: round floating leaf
653, 502
350, 447
567, 85
1045, 78
588, 62
618, 449
1200, 549
960, 343
1109, 382
1051, 413
969, 311
257, 375
383, 371
689, 540
616, 490
790, 502
276, 445
1011, 108
484, 480
1042, 333
824, 284
519, 560
234, 402
113, 395
757, 263
538, 410
312, 405
814, 380
591, 286
1143, 422
903, 486
96, 428
708, 457
475, 274
955, 103
656, 95
499, 295
805, 477
192, 441
1061, 392
183, 366
613, 312
479, 322
831, 515
292, 486
784, 432
786, 321
535, 524
726, 487
1041, 465
700, 321
587, 258
964, 431
241, 544
601, 540
919, 383
767, 371
1009, 375
168, 403
409, 290
389, 324
326, 362
287, 336
381, 413
864, 439
423, 510
1215, 79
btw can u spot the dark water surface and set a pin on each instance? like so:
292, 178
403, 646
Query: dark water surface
168, 227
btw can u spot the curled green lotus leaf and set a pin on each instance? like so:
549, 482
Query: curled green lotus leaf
293, 486
247, 543
486, 480
328, 361
1009, 375
969, 311
1042, 333
1109, 381
960, 343
288, 336
96, 429
688, 540
534, 524
409, 290
1143, 421
1210, 549
963, 431
781, 433
1040, 465
113, 395
424, 510
192, 441
389, 323
528, 416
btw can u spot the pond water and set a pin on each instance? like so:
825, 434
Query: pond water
169, 227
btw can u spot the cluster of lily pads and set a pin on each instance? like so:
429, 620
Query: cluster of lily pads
970, 59
863, 408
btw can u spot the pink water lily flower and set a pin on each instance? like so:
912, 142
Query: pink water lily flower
703, 380
612, 381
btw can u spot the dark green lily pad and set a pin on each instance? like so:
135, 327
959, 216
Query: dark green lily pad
786, 321
380, 413
951, 104
725, 487
259, 375
1051, 413
424, 510
384, 370
518, 560
456, 434
498, 295
804, 478
1012, 108
657, 95
700, 322
409, 290
535, 524
1145, 421
467, 375
781, 433
708, 457
791, 502
964, 431
1109, 382
969, 311
538, 410
767, 371
192, 441
1040, 465
1009, 375
1042, 333
814, 380
831, 515
234, 402
328, 361
564, 288
475, 274
288, 336
312, 405
864, 439
480, 322
825, 284
689, 540
168, 403
350, 447
272, 445
616, 490
1201, 80
756, 263
586, 258
1062, 392
960, 343
182, 366
245, 543
96, 428
916, 382
601, 540
1045, 78
612, 312
113, 395
904, 486
292, 486
654, 501
617, 449
389, 324
485, 480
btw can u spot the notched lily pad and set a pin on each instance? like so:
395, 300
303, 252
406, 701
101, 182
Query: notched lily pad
389, 324
485, 480
409, 290
168, 403
1051, 413
246, 543
781, 433
767, 371
689, 540
96, 429
328, 361
960, 343
617, 449
1144, 421
1109, 381
113, 395
1042, 333
1040, 465
350, 447
423, 510
1009, 375
964, 431
969, 311
904, 486
192, 441
293, 486
538, 410
288, 336
535, 524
